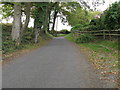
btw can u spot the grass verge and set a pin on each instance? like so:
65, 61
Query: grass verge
103, 54
61, 35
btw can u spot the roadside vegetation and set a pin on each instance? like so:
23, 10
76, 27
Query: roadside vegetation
18, 35
62, 33
9, 47
103, 53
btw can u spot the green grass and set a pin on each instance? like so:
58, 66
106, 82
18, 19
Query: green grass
70, 37
97, 45
110, 44
61, 35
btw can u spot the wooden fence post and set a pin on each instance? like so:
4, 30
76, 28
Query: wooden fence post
103, 34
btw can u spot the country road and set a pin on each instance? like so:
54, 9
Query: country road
59, 64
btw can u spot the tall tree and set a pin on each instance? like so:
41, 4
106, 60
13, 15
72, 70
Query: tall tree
41, 18
55, 14
16, 10
16, 23
27, 10
41, 14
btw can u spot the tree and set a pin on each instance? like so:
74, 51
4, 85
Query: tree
41, 16
16, 23
27, 10
7, 10
75, 14
56, 10
16, 11
112, 16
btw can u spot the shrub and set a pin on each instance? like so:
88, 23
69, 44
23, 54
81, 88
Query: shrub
7, 43
64, 31
112, 16
90, 28
28, 36
94, 22
76, 27
8, 46
84, 38
119, 29
97, 24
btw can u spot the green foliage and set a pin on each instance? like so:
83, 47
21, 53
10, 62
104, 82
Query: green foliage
7, 44
97, 24
111, 44
90, 28
77, 26
110, 19
64, 31
87, 27
39, 12
74, 13
70, 37
112, 16
119, 29
7, 10
84, 38
28, 36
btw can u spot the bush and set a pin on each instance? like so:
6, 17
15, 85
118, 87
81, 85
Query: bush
80, 27
90, 28
119, 29
28, 36
84, 38
112, 16
94, 22
64, 31
8, 45
76, 27
97, 24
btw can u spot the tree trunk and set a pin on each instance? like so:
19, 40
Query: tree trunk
36, 30
45, 28
16, 23
48, 22
27, 13
55, 16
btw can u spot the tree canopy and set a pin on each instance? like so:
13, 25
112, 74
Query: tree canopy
45, 13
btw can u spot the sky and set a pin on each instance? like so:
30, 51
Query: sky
59, 26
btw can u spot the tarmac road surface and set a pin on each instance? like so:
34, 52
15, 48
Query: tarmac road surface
58, 64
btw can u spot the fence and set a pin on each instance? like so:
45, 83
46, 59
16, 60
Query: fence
103, 33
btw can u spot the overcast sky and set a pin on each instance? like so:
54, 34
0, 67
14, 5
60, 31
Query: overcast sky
60, 26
